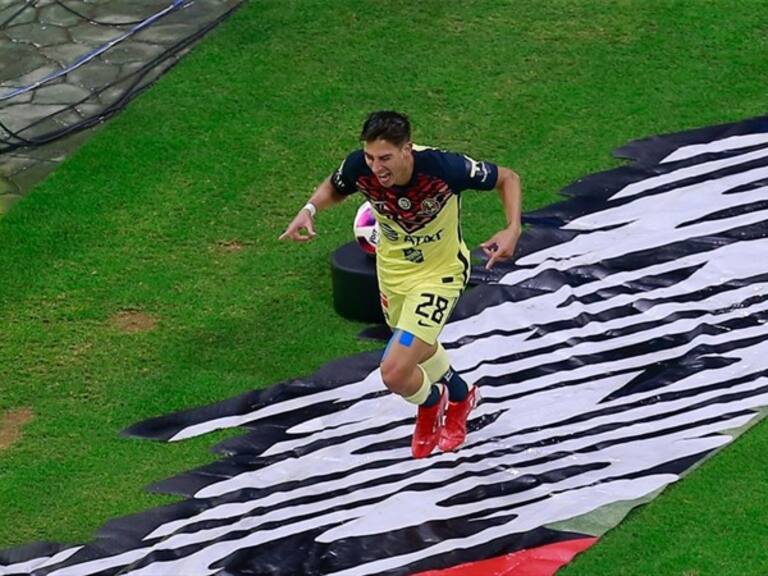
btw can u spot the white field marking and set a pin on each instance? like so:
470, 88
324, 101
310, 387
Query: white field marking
230, 510
595, 370
709, 196
379, 410
733, 406
506, 462
728, 262
591, 249
199, 561
539, 409
373, 381
568, 505
424, 506
477, 351
689, 172
350, 391
38, 563
339, 424
584, 348
341, 457
722, 145
453, 485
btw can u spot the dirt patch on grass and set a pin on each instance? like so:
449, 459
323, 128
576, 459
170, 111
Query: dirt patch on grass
230, 245
133, 321
11, 423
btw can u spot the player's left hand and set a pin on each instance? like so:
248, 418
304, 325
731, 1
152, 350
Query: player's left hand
501, 246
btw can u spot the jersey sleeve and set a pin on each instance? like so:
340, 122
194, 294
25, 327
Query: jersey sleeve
344, 178
468, 173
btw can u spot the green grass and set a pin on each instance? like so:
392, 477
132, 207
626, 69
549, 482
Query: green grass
229, 145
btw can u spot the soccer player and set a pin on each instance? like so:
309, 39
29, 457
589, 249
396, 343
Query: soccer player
422, 262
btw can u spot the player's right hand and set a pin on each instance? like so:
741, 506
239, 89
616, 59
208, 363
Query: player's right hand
301, 228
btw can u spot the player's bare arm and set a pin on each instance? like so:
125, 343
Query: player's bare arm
302, 227
501, 246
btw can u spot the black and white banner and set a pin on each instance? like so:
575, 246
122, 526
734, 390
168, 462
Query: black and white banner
625, 344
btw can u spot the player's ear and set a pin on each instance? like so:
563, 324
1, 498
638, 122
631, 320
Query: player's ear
408, 147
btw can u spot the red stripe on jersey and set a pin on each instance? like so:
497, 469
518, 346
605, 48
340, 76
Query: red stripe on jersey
412, 207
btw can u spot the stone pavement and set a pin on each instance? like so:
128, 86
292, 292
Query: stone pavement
64, 63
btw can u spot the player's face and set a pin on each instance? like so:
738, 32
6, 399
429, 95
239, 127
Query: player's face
391, 164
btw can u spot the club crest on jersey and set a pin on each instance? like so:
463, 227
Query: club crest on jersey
411, 209
430, 207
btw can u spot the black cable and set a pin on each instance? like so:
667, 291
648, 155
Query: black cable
115, 106
174, 6
8, 145
27, 4
92, 21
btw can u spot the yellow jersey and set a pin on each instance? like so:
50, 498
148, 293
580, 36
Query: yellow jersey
420, 239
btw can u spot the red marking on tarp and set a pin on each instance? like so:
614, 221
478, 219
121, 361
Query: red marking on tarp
540, 561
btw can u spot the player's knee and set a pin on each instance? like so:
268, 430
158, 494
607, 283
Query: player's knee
394, 374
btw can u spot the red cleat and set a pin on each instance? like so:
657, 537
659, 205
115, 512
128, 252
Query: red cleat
455, 430
429, 423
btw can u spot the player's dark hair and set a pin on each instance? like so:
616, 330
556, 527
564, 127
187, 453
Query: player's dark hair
387, 125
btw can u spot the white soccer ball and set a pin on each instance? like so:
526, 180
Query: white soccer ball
366, 229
